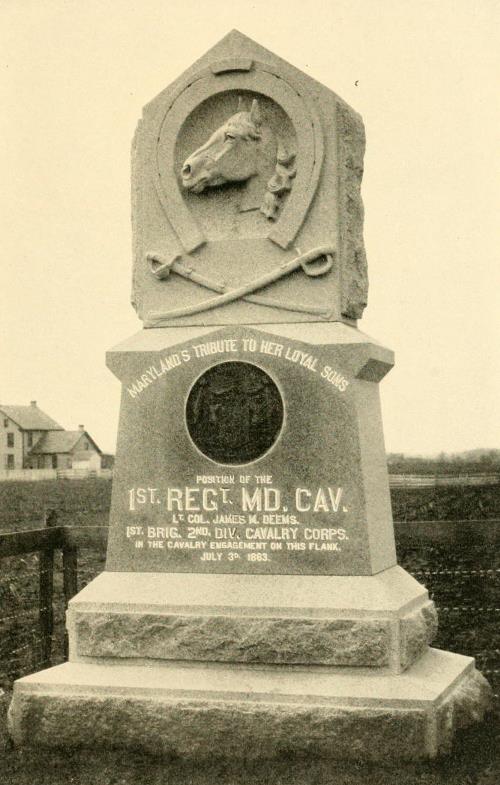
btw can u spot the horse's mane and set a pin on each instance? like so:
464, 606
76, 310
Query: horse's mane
281, 181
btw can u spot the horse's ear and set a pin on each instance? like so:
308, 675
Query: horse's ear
255, 115
241, 104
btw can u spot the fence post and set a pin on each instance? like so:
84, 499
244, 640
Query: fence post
70, 582
46, 594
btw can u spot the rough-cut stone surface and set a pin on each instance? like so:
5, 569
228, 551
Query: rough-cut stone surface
207, 729
417, 631
238, 710
463, 706
351, 148
347, 642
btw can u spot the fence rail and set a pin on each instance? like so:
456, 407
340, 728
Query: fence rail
30, 475
439, 480
395, 480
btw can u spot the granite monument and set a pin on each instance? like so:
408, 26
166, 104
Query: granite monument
251, 603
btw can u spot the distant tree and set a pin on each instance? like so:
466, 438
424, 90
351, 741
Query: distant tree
469, 462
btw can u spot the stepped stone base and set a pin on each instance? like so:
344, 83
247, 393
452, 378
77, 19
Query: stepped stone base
378, 621
240, 666
240, 711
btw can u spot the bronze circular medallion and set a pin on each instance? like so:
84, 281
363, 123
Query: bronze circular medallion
234, 412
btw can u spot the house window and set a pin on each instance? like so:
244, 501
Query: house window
10, 461
54, 461
30, 439
6, 423
86, 446
10, 440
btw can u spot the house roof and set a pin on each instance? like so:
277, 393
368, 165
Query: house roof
30, 418
59, 442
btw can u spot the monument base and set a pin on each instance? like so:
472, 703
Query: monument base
378, 621
230, 710
252, 666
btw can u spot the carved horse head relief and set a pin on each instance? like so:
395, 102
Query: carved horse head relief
229, 155
242, 150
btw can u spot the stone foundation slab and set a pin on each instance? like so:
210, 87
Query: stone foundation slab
250, 712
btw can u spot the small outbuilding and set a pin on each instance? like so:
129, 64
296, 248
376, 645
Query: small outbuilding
65, 450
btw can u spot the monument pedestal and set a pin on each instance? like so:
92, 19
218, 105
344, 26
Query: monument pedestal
252, 667
216, 628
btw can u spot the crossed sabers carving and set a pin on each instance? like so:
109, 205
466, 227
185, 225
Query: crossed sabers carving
313, 263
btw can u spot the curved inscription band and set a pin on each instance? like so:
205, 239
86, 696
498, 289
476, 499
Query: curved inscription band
251, 77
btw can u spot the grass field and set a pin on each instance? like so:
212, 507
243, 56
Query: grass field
86, 502
78, 502
463, 585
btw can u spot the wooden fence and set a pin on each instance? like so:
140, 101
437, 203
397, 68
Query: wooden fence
33, 475
455, 535
46, 541
395, 480
439, 480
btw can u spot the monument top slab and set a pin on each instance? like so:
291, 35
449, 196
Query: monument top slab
246, 196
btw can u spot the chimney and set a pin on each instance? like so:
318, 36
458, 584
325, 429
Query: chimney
81, 428
33, 403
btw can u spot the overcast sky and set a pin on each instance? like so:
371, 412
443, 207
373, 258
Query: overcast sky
423, 74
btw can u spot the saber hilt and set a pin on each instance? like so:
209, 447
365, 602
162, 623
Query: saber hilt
161, 267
